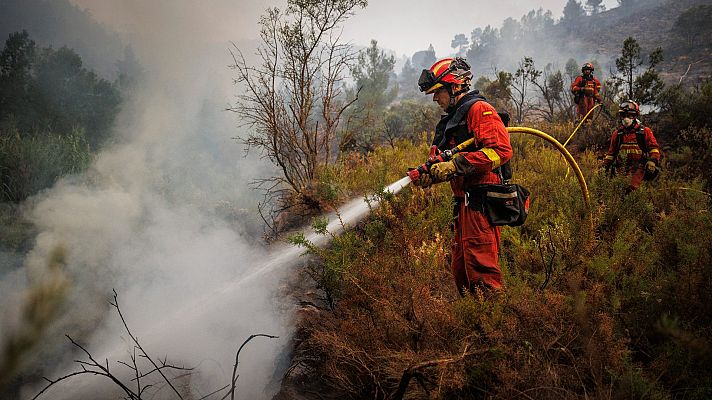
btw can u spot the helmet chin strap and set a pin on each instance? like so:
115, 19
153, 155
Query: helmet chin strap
453, 96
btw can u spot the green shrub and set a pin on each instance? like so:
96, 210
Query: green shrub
30, 163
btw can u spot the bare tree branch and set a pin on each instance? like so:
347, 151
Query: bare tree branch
102, 371
115, 304
237, 357
292, 99
414, 371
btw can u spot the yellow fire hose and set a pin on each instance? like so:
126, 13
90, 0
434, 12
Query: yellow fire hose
569, 159
581, 123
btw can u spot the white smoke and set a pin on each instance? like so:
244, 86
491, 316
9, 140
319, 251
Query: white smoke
165, 216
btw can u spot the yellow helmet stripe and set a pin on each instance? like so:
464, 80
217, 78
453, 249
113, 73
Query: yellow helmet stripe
434, 88
437, 68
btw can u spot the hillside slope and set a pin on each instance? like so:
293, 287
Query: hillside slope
651, 25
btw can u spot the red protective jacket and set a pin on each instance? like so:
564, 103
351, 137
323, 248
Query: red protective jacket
629, 148
475, 247
492, 138
588, 93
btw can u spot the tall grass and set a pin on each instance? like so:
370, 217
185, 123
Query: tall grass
32, 162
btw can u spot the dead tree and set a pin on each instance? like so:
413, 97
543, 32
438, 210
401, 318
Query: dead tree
551, 90
519, 83
292, 99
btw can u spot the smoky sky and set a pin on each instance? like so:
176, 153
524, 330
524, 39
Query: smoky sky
404, 26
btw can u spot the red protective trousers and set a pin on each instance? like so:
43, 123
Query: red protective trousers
588, 91
586, 103
636, 174
474, 251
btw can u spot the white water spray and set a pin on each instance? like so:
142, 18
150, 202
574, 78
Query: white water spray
178, 329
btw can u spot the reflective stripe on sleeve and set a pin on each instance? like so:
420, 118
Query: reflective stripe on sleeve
493, 156
654, 151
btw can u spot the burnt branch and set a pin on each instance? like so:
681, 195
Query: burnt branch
233, 381
93, 367
144, 354
89, 368
415, 370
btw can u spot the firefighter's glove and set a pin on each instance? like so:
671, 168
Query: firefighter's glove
423, 181
650, 166
607, 166
443, 171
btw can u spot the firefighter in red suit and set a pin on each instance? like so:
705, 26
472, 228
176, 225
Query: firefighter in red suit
586, 89
633, 149
475, 247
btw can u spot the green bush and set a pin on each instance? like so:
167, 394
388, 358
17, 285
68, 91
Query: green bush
30, 163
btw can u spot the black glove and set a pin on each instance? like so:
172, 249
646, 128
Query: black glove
608, 167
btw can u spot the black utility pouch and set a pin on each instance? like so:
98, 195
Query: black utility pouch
506, 204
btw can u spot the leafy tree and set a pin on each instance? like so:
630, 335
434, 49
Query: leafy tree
62, 23
71, 96
372, 74
483, 46
551, 90
475, 37
292, 98
572, 69
694, 23
425, 58
49, 90
510, 31
537, 22
490, 36
641, 87
573, 12
595, 6
408, 80
408, 120
519, 83
627, 3
498, 91
460, 43
16, 62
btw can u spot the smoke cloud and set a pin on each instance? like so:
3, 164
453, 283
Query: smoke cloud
164, 216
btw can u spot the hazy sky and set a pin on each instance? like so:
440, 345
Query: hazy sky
405, 26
